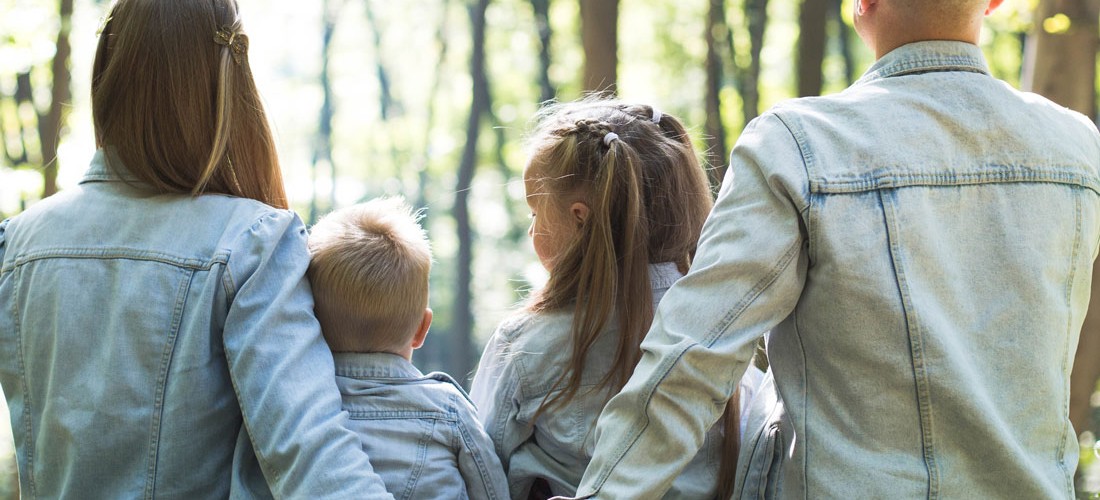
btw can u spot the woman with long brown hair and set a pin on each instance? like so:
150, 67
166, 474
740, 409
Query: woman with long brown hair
157, 335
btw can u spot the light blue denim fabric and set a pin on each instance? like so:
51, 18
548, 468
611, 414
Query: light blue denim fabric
142, 337
421, 431
522, 360
920, 247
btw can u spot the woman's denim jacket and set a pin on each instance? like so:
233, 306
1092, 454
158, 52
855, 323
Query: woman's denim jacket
522, 360
156, 345
920, 247
421, 431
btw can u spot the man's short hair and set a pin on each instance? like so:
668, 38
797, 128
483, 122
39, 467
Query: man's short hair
369, 270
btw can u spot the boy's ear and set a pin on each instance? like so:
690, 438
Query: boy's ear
580, 211
422, 331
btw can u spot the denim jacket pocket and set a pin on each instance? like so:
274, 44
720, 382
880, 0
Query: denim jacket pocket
764, 467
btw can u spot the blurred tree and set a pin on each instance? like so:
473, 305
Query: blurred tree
810, 52
1060, 63
50, 122
748, 77
50, 125
322, 142
599, 36
844, 40
542, 23
717, 33
461, 357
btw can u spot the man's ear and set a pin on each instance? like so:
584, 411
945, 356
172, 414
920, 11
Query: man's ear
422, 331
864, 6
580, 212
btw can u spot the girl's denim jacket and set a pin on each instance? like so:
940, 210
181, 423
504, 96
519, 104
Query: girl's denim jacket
421, 431
920, 248
160, 345
522, 360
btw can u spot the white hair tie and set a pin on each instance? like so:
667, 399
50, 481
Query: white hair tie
656, 115
611, 136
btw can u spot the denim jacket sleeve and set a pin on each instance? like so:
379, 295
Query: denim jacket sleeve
3, 228
283, 373
496, 393
477, 462
746, 277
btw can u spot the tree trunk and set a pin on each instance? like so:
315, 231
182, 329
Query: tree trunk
49, 126
716, 32
322, 143
461, 361
1062, 67
844, 40
386, 101
432, 355
811, 46
542, 21
756, 12
599, 36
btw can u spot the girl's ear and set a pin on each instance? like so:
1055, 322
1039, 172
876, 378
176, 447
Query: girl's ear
579, 211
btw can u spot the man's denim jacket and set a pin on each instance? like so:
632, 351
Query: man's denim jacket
158, 345
421, 431
920, 247
522, 360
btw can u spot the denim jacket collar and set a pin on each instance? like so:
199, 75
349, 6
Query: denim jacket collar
374, 365
663, 275
99, 170
928, 56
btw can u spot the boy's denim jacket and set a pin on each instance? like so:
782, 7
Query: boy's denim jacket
522, 360
158, 345
421, 431
920, 247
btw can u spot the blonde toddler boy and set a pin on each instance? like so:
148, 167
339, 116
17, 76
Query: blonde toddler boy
369, 270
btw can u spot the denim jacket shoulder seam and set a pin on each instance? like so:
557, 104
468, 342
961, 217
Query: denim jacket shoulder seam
475, 453
804, 152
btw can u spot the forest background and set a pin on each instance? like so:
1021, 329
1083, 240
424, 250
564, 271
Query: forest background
431, 100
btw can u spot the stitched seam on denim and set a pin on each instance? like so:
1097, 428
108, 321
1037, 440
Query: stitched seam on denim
749, 298
116, 253
157, 419
799, 137
883, 179
418, 465
28, 400
399, 415
475, 453
805, 405
928, 64
716, 332
264, 465
229, 284
916, 348
1066, 354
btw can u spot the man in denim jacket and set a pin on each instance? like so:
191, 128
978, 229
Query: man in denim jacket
920, 248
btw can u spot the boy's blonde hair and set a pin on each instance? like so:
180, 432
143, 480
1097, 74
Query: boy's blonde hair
369, 270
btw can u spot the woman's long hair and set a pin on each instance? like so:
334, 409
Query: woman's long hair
648, 198
174, 101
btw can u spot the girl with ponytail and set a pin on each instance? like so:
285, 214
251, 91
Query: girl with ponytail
618, 200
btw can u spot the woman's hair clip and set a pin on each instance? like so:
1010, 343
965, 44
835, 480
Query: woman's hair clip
103, 25
236, 41
611, 136
656, 115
